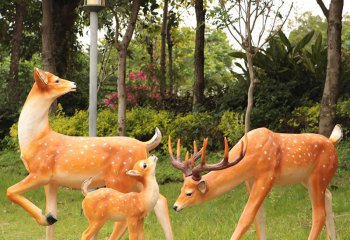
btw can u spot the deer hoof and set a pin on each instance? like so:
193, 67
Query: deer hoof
50, 219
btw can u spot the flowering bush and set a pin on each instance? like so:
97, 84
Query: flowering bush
138, 90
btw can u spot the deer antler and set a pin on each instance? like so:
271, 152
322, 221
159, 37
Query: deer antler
196, 170
203, 167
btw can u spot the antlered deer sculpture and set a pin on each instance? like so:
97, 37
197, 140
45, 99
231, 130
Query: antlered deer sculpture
271, 159
54, 160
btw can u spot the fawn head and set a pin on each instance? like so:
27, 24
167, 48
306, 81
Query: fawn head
52, 85
144, 168
195, 189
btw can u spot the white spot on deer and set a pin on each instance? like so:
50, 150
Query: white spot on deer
92, 163
124, 163
103, 157
82, 152
66, 160
69, 145
93, 145
273, 143
58, 152
70, 150
263, 188
130, 151
303, 142
265, 152
323, 179
299, 156
295, 141
324, 166
95, 151
85, 146
110, 148
34, 176
315, 145
39, 158
268, 158
104, 144
45, 144
293, 155
112, 163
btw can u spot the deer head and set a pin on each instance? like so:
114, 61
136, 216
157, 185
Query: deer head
51, 85
195, 188
144, 168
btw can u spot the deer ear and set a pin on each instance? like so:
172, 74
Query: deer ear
40, 78
133, 173
202, 186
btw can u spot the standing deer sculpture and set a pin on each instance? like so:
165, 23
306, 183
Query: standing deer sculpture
271, 159
108, 204
54, 160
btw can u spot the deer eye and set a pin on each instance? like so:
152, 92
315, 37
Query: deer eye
57, 80
144, 165
189, 194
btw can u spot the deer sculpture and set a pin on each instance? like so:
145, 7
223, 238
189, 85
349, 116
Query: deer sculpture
54, 160
108, 204
271, 159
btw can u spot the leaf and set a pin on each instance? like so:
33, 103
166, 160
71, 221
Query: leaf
238, 54
302, 43
285, 40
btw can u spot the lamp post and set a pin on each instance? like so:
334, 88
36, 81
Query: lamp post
93, 6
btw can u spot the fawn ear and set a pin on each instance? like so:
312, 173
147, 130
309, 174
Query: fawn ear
40, 78
133, 173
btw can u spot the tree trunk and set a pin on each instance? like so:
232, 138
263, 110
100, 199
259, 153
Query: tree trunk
162, 80
122, 49
13, 83
252, 80
48, 42
121, 92
330, 91
65, 16
170, 60
198, 86
48, 38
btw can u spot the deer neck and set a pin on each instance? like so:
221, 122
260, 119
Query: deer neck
150, 192
33, 120
220, 182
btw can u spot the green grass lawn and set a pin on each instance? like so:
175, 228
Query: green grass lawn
288, 209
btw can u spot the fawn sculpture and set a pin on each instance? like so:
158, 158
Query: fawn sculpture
108, 204
271, 159
54, 160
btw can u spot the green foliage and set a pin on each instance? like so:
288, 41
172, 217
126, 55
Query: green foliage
232, 126
343, 115
196, 126
305, 118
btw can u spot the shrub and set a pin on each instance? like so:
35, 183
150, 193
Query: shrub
305, 118
232, 126
343, 115
196, 126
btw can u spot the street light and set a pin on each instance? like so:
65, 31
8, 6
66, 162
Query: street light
93, 6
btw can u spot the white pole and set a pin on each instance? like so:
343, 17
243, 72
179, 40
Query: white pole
93, 74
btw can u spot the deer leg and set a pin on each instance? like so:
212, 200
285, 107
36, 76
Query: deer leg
91, 232
329, 216
29, 183
51, 208
140, 229
317, 195
118, 230
260, 218
162, 213
133, 228
259, 191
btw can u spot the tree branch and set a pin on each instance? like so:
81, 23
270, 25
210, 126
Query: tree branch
323, 8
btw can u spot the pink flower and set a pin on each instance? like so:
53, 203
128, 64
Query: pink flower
106, 102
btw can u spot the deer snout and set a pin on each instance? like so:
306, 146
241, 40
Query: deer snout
175, 208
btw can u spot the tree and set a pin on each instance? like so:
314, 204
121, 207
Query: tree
330, 91
242, 28
13, 82
162, 79
122, 47
48, 37
199, 85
